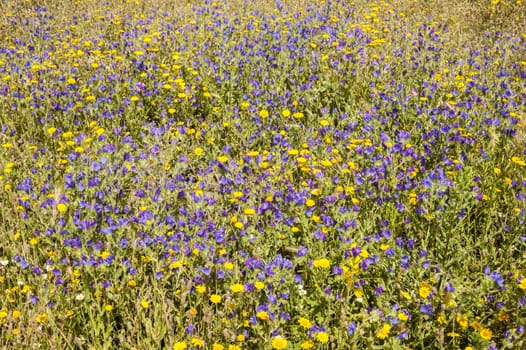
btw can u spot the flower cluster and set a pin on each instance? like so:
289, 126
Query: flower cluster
239, 175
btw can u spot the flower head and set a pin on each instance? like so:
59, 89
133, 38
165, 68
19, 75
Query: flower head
384, 332
279, 342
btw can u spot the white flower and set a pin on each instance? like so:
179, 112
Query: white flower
301, 291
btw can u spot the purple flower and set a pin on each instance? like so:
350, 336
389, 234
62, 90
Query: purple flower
351, 328
427, 309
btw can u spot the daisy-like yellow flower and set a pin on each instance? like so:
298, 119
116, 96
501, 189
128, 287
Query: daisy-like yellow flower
322, 337
215, 298
384, 332
298, 115
263, 315
145, 304
485, 333
61, 207
304, 322
42, 318
237, 288
180, 345
309, 344
424, 290
198, 151
249, 211
402, 316
462, 321
197, 342
263, 113
279, 342
322, 263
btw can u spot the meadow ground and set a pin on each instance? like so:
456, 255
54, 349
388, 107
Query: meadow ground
262, 174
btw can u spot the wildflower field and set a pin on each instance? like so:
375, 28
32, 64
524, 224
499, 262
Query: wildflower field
252, 174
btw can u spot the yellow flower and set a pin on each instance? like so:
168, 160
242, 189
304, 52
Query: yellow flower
198, 151
462, 321
108, 308
502, 316
279, 343
476, 325
42, 318
518, 161
3, 314
200, 289
384, 332
309, 344
198, 342
406, 295
522, 284
259, 285
237, 288
322, 263
286, 113
305, 323
16, 314
61, 207
145, 304
402, 316
263, 315
249, 211
486, 333
217, 346
425, 290
234, 347
322, 337
263, 113
181, 345
310, 203
215, 298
